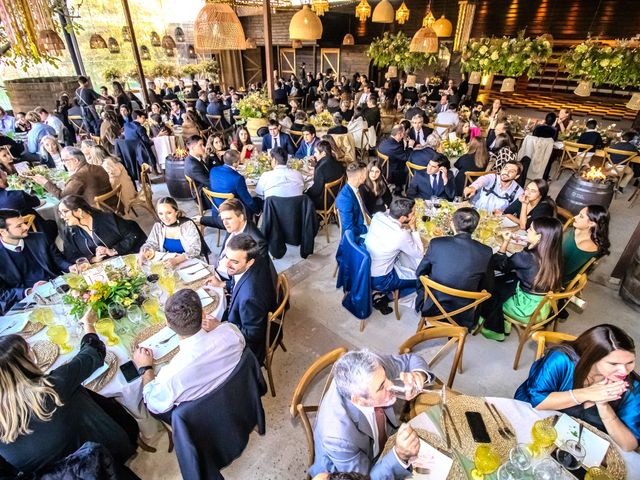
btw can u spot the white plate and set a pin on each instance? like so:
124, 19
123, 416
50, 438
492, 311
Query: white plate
192, 277
13, 323
96, 374
159, 349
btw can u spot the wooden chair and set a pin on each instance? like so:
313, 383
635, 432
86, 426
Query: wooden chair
386, 123
617, 167
574, 155
29, 220
469, 177
298, 408
194, 193
77, 122
543, 338
565, 216
144, 198
447, 128
454, 335
636, 192
384, 164
101, 200
275, 326
445, 319
216, 124
296, 137
413, 168
557, 302
96, 140
329, 203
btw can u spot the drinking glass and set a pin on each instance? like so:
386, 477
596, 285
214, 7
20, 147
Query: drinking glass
520, 457
457, 199
168, 282
43, 315
82, 264
59, 335
570, 454
116, 310
597, 473
543, 435
106, 328
148, 253
486, 461
74, 280
399, 391
547, 469
131, 261
435, 201
134, 314
157, 268
151, 307
509, 471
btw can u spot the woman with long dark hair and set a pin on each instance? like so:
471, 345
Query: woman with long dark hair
375, 192
534, 203
475, 160
120, 95
242, 143
529, 275
214, 150
589, 238
590, 378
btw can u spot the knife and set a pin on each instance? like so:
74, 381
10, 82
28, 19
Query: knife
443, 419
445, 407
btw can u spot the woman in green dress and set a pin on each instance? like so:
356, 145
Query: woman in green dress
589, 238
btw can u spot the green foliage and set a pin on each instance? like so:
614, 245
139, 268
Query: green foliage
112, 73
191, 70
394, 50
255, 105
163, 70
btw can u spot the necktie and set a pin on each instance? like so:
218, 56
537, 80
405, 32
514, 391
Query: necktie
232, 284
420, 137
275, 142
381, 425
18, 249
360, 203
434, 181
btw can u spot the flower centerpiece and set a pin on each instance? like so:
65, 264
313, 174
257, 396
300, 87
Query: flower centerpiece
607, 133
393, 49
256, 108
258, 165
453, 148
322, 121
24, 181
120, 287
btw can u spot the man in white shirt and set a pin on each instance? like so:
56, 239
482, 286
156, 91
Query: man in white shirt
282, 181
394, 245
447, 117
494, 193
53, 121
209, 351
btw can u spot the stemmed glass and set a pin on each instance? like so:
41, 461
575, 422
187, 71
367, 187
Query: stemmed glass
167, 281
547, 469
58, 334
131, 261
544, 435
486, 461
134, 314
151, 307
82, 264
520, 457
116, 310
148, 253
509, 471
106, 328
43, 315
597, 473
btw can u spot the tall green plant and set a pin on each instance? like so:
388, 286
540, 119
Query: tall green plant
617, 65
394, 50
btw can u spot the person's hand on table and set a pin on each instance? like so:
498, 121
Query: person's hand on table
39, 179
29, 291
407, 443
469, 191
102, 251
173, 262
143, 357
215, 282
88, 321
506, 235
209, 322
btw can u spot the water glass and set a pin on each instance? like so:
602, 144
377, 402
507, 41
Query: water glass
135, 314
457, 199
509, 471
520, 457
570, 455
117, 310
82, 264
547, 469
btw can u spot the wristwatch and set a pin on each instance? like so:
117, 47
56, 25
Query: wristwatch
142, 370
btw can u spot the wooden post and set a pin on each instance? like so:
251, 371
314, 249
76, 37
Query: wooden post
136, 53
625, 259
268, 47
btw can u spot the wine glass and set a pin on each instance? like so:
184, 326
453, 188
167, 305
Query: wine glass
157, 268
547, 469
544, 434
570, 454
486, 461
134, 314
82, 264
43, 315
116, 310
167, 281
597, 473
151, 307
131, 261
509, 471
74, 280
58, 334
520, 457
106, 328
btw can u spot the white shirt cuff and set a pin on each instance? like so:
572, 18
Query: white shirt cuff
404, 465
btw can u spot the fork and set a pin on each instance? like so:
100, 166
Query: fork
501, 430
167, 339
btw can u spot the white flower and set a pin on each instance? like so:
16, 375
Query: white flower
483, 49
495, 56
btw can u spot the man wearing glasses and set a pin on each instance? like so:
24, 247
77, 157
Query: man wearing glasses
277, 139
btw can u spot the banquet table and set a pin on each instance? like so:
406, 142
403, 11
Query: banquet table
128, 394
253, 168
48, 207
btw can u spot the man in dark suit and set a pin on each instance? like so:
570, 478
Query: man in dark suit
252, 293
423, 155
202, 104
417, 109
470, 272
591, 136
28, 260
217, 107
308, 143
443, 106
372, 113
277, 139
418, 132
280, 94
338, 128
436, 180
349, 202
327, 170
394, 148
225, 179
196, 168
135, 130
547, 129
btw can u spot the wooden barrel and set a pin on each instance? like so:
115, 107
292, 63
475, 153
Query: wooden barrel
630, 286
578, 193
174, 176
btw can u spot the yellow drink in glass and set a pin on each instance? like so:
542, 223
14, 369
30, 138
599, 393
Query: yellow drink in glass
486, 461
106, 328
59, 335
151, 307
43, 315
157, 268
131, 261
168, 282
543, 437
75, 281
597, 473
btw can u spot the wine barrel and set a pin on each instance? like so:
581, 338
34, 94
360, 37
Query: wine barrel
174, 176
630, 286
577, 193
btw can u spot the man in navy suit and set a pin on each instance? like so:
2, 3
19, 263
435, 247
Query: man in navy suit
418, 132
196, 168
436, 180
349, 203
327, 170
280, 94
277, 139
252, 292
427, 152
135, 130
217, 107
225, 179
394, 148
308, 143
591, 136
28, 260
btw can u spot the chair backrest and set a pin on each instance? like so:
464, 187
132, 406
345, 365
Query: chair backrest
296, 137
145, 188
453, 334
584, 270
220, 196
216, 122
298, 408
29, 220
430, 286
347, 144
413, 168
609, 151
445, 128
470, 176
329, 195
194, 192
275, 321
76, 121
574, 153
101, 200
384, 160
566, 216
544, 337
97, 140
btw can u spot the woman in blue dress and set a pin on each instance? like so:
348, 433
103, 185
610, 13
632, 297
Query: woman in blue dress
590, 378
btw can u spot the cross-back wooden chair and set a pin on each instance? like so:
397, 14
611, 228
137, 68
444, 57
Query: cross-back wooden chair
543, 338
454, 335
447, 128
77, 122
275, 327
216, 124
214, 208
144, 198
565, 216
574, 155
194, 193
413, 168
296, 137
329, 203
101, 200
618, 167
384, 164
30, 221
555, 302
96, 140
470, 177
300, 409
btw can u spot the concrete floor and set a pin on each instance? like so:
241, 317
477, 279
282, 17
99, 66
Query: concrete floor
317, 323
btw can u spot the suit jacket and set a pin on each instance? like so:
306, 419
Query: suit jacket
372, 116
225, 179
24, 203
263, 247
283, 140
338, 130
326, 171
199, 173
471, 272
426, 131
280, 96
343, 436
252, 298
413, 111
47, 255
442, 108
420, 186
398, 156
351, 216
88, 181
303, 150
422, 156
591, 138
135, 131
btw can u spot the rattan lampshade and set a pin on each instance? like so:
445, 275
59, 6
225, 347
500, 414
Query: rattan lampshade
169, 52
97, 41
251, 43
508, 85
191, 52
217, 27
168, 42
363, 10
474, 78
126, 34
114, 46
348, 40
442, 27
583, 89
145, 54
383, 13
402, 14
179, 34
155, 39
424, 41
50, 41
305, 25
320, 6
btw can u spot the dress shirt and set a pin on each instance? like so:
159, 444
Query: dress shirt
490, 196
14, 248
447, 118
389, 244
282, 181
222, 269
55, 123
204, 362
420, 139
7, 124
275, 141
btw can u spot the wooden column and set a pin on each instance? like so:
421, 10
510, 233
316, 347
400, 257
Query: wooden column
268, 47
136, 53
625, 259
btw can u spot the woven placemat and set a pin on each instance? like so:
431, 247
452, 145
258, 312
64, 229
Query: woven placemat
46, 353
613, 461
31, 328
97, 384
149, 332
456, 472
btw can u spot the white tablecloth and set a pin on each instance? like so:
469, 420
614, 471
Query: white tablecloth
48, 209
164, 146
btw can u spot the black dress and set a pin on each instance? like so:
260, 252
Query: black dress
544, 208
466, 163
374, 203
82, 418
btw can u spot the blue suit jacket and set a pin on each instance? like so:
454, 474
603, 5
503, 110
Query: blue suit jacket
423, 156
225, 179
351, 215
135, 131
343, 436
303, 150
420, 187
284, 141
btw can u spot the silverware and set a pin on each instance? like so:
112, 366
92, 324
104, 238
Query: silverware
166, 339
445, 407
501, 431
505, 425
580, 431
443, 419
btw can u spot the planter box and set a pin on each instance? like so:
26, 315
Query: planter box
27, 93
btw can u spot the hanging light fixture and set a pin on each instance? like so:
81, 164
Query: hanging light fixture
217, 27
424, 41
296, 44
383, 13
97, 41
168, 42
50, 41
320, 7
251, 43
155, 40
145, 54
442, 27
428, 19
169, 52
402, 14
348, 40
363, 10
126, 34
191, 52
24, 24
305, 25
179, 34
113, 45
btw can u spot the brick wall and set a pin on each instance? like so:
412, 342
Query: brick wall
27, 93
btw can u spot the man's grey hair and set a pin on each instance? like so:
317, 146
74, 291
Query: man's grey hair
397, 128
417, 116
76, 153
353, 371
433, 140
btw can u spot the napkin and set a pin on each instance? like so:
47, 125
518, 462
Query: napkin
159, 349
13, 323
508, 223
595, 446
437, 462
188, 263
96, 374
205, 298
191, 274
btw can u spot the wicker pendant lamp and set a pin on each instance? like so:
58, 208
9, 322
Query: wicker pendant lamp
50, 41
155, 40
634, 102
348, 40
251, 43
191, 52
145, 54
296, 44
97, 41
126, 34
320, 7
424, 41
305, 25
114, 46
168, 42
442, 27
383, 13
217, 27
402, 14
179, 35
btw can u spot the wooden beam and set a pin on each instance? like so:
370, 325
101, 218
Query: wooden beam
136, 53
268, 45
627, 255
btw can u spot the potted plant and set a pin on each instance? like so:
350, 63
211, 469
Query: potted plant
393, 50
255, 108
111, 74
210, 69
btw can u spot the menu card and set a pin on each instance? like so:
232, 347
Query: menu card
162, 343
432, 460
595, 446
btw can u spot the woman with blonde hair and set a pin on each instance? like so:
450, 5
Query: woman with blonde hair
45, 417
118, 175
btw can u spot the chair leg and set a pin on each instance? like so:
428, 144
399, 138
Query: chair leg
144, 446
267, 366
396, 294
521, 341
169, 437
362, 325
420, 324
284, 349
335, 271
326, 227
